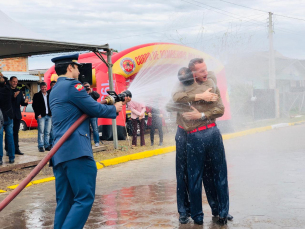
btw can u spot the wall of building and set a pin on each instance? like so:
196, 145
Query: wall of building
18, 64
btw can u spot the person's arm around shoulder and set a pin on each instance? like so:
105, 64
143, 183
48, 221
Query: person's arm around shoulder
218, 110
214, 113
80, 98
180, 96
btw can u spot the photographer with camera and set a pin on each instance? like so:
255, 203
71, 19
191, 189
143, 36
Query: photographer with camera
93, 121
8, 115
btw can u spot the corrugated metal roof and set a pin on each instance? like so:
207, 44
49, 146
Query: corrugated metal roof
22, 76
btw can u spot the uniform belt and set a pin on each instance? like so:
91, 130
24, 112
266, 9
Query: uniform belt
200, 128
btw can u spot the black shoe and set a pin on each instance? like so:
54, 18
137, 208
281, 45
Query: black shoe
222, 221
229, 217
41, 149
161, 143
48, 148
152, 144
1, 162
198, 222
19, 153
183, 219
11, 161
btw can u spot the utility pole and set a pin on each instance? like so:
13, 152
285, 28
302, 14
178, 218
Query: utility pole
272, 78
111, 87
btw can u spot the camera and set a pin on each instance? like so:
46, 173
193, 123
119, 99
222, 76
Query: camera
117, 97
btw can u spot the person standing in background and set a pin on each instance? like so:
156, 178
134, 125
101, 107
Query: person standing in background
51, 131
7, 112
17, 101
137, 116
156, 123
93, 121
43, 116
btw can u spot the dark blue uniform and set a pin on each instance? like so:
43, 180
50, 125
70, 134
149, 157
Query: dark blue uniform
73, 165
182, 160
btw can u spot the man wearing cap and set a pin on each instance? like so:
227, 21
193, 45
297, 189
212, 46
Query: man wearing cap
73, 165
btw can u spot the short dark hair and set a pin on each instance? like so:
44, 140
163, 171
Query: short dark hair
13, 77
86, 83
185, 76
127, 93
195, 61
43, 84
61, 69
52, 82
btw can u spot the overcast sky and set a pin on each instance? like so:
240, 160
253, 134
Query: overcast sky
213, 26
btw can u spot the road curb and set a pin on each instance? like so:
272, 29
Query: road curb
150, 153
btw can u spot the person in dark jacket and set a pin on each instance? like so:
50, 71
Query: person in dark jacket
43, 116
93, 121
17, 101
7, 112
156, 123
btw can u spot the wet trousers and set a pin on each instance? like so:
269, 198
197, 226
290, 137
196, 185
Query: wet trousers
183, 202
75, 191
207, 147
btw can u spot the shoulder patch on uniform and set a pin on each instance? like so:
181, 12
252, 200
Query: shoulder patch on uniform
79, 87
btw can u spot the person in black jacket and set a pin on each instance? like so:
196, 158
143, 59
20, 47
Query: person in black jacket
156, 123
17, 101
43, 116
7, 111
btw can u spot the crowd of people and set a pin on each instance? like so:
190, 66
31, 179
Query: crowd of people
200, 153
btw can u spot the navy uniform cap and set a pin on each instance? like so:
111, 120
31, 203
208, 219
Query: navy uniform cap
68, 59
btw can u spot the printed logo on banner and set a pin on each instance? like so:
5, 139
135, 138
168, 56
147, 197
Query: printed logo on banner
128, 65
105, 88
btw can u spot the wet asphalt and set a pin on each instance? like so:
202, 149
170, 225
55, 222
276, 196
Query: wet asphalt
266, 181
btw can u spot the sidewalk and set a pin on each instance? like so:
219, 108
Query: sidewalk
31, 156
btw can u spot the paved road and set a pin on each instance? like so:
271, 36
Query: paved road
266, 179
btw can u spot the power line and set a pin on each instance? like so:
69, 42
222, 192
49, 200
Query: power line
216, 9
290, 17
243, 6
262, 10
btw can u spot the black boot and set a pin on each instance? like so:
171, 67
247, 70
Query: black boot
152, 143
222, 221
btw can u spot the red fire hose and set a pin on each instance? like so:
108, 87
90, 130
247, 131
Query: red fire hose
43, 162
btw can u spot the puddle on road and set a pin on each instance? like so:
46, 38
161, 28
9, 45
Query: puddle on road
146, 206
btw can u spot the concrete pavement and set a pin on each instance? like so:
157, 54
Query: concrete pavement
266, 179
